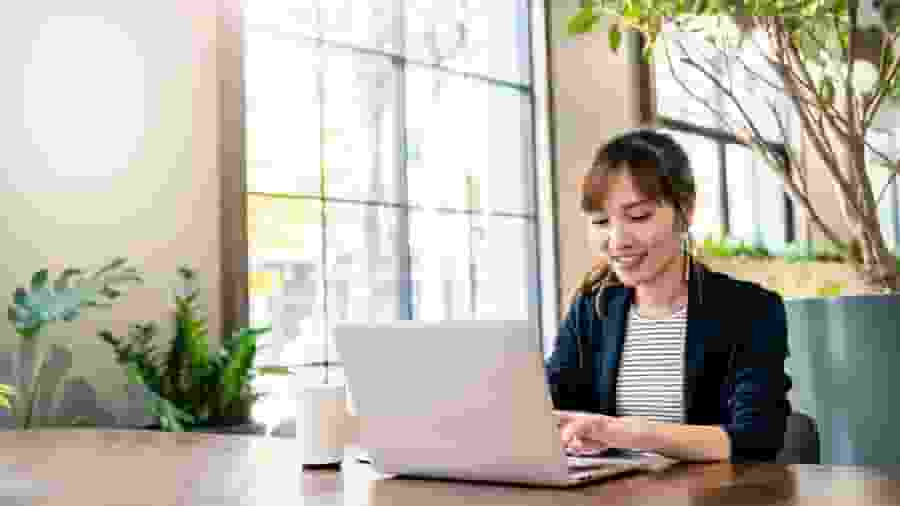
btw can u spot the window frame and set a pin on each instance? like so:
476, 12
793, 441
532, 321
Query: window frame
234, 245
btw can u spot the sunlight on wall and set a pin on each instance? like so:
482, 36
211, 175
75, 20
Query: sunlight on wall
84, 128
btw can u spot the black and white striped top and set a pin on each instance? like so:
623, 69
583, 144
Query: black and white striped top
651, 374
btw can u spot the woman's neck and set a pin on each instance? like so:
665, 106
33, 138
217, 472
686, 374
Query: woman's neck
668, 289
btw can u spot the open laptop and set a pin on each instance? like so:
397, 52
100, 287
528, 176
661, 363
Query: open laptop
464, 400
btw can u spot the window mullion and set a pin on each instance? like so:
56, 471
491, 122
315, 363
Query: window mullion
402, 241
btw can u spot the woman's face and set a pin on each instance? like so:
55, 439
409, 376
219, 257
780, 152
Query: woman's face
639, 236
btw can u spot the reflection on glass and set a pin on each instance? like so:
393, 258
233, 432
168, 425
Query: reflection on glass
704, 157
506, 286
286, 288
360, 126
885, 142
484, 37
469, 144
283, 140
370, 24
672, 99
756, 197
288, 16
364, 262
441, 266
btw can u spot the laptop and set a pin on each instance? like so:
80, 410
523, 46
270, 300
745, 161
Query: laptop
462, 400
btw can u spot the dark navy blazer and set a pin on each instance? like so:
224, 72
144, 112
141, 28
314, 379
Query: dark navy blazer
736, 345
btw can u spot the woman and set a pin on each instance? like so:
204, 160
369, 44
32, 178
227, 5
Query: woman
658, 352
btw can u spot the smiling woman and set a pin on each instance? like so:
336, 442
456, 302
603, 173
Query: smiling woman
652, 349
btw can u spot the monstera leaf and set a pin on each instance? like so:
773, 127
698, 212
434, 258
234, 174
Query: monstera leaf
44, 302
68, 295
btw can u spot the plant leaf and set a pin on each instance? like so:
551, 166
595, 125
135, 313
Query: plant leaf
39, 280
583, 21
113, 265
274, 370
20, 297
615, 37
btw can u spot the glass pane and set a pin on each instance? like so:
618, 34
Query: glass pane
704, 156
468, 144
286, 287
756, 206
485, 37
506, 277
671, 97
364, 262
749, 77
373, 24
885, 141
441, 266
288, 16
360, 127
283, 140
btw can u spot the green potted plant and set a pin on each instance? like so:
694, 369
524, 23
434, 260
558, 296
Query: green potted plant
192, 387
836, 64
47, 303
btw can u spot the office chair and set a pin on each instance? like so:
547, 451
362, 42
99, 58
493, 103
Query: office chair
801, 441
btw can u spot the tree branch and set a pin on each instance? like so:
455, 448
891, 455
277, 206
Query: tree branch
818, 136
875, 103
715, 111
777, 32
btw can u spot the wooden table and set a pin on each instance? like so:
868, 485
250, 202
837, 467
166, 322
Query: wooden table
131, 468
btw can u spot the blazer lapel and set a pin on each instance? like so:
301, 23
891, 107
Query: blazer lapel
701, 327
614, 327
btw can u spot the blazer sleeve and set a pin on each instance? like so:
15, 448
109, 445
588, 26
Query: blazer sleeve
758, 399
568, 380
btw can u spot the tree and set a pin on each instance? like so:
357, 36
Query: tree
835, 61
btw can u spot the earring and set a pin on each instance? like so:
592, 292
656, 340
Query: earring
686, 248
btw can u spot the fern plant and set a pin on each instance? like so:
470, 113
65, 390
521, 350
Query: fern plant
62, 301
190, 385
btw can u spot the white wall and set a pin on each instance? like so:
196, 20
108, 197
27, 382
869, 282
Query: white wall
109, 131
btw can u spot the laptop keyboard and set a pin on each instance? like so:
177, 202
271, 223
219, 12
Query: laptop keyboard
608, 458
587, 462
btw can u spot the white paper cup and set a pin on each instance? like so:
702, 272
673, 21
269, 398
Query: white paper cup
321, 423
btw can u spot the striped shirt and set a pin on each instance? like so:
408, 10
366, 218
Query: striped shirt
651, 374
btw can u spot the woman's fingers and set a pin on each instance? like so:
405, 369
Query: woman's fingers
583, 431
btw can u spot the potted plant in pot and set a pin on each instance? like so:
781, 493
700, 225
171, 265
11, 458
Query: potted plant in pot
40, 372
836, 64
191, 387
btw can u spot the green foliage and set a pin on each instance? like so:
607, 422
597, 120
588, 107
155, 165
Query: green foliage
793, 252
730, 247
68, 295
831, 289
806, 251
7, 393
191, 385
63, 300
820, 29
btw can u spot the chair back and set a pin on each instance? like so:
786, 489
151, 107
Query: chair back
801, 441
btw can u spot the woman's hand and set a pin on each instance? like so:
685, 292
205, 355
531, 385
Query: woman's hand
590, 432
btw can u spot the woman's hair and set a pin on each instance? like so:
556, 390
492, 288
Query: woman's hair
661, 171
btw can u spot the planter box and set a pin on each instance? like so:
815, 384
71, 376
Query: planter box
251, 428
802, 279
845, 362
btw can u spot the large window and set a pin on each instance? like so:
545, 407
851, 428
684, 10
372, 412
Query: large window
738, 196
392, 169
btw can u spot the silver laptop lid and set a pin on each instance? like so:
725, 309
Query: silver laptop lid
462, 399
